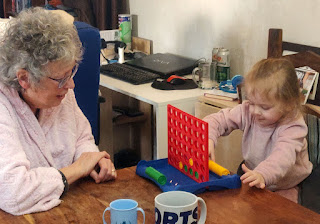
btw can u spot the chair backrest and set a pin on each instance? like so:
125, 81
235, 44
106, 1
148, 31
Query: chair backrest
313, 138
305, 55
88, 76
309, 195
276, 45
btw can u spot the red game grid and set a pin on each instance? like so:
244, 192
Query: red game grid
188, 144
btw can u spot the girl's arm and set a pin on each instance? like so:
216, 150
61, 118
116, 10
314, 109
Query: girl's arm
226, 120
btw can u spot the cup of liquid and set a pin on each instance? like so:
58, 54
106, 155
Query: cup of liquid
204, 75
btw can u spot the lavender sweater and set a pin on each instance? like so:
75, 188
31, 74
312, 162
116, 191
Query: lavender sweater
279, 153
32, 150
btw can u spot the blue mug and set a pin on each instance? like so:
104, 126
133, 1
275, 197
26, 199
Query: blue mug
123, 211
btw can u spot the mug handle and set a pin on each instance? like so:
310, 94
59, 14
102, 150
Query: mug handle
194, 74
107, 209
144, 216
203, 206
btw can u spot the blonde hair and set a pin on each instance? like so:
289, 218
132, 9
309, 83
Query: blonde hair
275, 80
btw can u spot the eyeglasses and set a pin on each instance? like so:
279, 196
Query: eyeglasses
64, 80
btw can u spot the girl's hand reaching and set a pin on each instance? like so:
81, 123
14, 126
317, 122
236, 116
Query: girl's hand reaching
252, 177
211, 151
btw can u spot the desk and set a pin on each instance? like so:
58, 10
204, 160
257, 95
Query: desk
158, 100
86, 201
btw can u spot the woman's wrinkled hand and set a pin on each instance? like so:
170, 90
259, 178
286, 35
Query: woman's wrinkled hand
252, 177
84, 165
105, 172
88, 160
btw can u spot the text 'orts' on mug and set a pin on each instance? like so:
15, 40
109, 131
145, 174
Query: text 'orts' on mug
179, 207
123, 211
206, 71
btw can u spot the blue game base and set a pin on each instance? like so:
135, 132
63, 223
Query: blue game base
177, 181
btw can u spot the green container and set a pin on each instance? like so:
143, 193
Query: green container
156, 175
223, 74
125, 28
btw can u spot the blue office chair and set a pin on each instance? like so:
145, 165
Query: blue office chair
88, 76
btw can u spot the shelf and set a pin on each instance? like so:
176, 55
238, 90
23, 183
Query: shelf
217, 102
123, 119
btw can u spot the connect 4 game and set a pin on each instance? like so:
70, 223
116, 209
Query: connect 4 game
187, 167
188, 144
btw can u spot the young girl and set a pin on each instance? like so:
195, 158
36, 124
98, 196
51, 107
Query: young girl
274, 145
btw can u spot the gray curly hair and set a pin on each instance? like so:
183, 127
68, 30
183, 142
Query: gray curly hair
32, 40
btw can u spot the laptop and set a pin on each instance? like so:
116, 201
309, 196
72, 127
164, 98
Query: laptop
165, 64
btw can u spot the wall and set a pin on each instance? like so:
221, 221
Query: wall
193, 27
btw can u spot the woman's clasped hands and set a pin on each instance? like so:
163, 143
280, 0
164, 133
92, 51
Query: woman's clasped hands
96, 164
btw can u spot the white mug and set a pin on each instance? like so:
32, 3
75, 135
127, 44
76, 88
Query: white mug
179, 207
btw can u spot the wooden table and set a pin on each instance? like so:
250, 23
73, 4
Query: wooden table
86, 201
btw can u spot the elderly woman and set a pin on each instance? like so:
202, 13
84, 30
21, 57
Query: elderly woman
45, 140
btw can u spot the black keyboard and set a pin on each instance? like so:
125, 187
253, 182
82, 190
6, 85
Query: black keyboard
128, 73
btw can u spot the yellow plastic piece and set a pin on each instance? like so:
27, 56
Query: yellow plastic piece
180, 165
191, 162
217, 169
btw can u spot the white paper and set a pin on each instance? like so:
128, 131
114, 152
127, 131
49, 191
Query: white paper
109, 35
